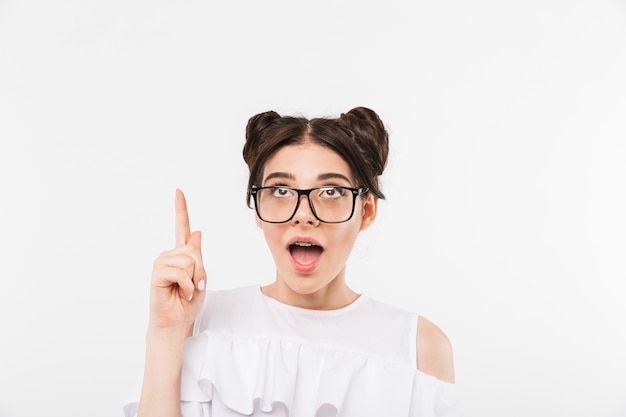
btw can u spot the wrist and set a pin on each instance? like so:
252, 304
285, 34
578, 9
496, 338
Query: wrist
164, 353
169, 333
160, 393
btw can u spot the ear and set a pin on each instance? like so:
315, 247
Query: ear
258, 221
369, 211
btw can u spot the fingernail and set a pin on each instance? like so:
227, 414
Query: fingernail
201, 285
190, 297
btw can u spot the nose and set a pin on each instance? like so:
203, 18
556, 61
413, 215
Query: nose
304, 213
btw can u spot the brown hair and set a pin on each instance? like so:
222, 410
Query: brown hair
358, 136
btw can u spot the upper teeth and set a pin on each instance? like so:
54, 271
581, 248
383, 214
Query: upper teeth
303, 243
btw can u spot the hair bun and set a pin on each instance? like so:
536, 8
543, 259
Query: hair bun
256, 132
370, 134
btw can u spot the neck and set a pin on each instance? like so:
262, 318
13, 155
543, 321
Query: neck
333, 296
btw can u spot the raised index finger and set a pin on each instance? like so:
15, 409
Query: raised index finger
182, 219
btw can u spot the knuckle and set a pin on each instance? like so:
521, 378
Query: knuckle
158, 260
166, 253
188, 263
162, 256
182, 276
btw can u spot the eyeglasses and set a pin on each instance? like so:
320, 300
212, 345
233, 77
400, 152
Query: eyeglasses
329, 204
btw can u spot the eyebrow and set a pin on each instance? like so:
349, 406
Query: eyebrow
321, 177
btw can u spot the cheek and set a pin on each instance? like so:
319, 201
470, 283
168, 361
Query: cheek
346, 237
272, 237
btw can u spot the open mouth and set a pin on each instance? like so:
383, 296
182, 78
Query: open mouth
305, 253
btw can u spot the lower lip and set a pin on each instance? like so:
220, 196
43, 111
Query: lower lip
305, 269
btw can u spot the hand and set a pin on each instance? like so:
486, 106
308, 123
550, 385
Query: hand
178, 276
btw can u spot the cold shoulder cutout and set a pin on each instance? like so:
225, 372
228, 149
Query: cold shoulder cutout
251, 355
434, 351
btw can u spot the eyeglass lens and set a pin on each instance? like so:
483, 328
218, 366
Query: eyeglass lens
329, 204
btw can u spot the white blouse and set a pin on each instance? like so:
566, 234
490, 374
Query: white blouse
255, 356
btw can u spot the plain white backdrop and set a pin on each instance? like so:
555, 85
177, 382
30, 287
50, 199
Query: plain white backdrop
504, 221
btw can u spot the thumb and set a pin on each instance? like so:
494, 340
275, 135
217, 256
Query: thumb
199, 273
195, 239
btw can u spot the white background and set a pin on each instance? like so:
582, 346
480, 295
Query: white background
504, 222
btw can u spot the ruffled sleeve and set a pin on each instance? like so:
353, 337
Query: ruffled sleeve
288, 377
433, 397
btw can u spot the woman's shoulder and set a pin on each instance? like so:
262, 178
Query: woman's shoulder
434, 351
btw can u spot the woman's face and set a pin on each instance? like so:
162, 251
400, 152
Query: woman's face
315, 265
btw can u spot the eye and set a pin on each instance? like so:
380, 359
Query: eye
332, 192
281, 192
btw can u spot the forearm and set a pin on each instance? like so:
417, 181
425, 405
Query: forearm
160, 395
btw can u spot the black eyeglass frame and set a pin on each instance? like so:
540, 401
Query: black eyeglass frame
355, 193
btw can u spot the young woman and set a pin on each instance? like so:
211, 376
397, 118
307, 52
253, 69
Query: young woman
307, 344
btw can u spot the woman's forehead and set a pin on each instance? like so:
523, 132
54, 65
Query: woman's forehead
308, 161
